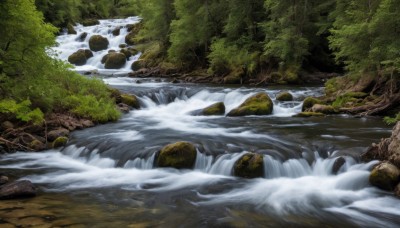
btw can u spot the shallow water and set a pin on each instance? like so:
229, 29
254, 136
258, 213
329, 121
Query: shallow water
105, 177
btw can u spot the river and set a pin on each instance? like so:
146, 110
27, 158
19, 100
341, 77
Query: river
105, 177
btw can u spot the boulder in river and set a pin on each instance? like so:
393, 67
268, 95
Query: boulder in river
325, 109
259, 104
82, 36
250, 165
131, 100
215, 109
137, 65
54, 134
17, 189
60, 142
70, 29
179, 155
126, 52
339, 162
284, 96
90, 22
78, 58
309, 102
98, 43
385, 176
130, 38
116, 31
115, 60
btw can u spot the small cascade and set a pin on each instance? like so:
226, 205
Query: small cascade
140, 163
70, 43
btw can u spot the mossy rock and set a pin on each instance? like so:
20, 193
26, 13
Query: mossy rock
309, 102
385, 176
70, 29
130, 38
116, 31
104, 58
116, 94
284, 96
234, 77
250, 165
215, 109
122, 46
259, 104
179, 155
88, 53
98, 43
115, 61
309, 114
137, 65
78, 58
134, 28
36, 145
325, 109
126, 52
133, 51
90, 22
60, 142
130, 100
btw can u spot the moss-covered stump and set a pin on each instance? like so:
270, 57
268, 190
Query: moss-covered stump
179, 155
309, 114
234, 77
98, 43
250, 165
325, 109
130, 100
259, 104
284, 96
215, 109
78, 58
309, 102
90, 22
60, 142
114, 60
385, 176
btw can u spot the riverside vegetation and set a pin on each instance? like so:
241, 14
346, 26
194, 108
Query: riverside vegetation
256, 42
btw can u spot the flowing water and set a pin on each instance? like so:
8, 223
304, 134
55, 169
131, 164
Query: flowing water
105, 176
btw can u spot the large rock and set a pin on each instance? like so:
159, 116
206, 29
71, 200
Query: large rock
54, 134
98, 43
387, 149
82, 36
78, 58
284, 96
250, 165
17, 189
212, 110
309, 102
259, 104
385, 176
179, 155
116, 31
126, 52
130, 100
325, 109
115, 60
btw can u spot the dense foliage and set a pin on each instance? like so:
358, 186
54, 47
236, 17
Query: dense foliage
32, 83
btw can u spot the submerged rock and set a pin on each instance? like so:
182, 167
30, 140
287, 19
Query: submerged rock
98, 43
114, 60
130, 100
259, 104
250, 165
179, 155
17, 189
3, 179
385, 176
284, 96
212, 110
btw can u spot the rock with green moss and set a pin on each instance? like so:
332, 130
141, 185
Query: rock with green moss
137, 65
284, 96
130, 100
116, 94
130, 38
60, 142
78, 58
115, 60
98, 43
259, 104
126, 52
70, 29
88, 53
215, 109
133, 51
385, 176
309, 102
37, 145
234, 77
250, 165
325, 109
90, 22
309, 114
179, 155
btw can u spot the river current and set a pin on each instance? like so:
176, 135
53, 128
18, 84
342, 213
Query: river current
105, 176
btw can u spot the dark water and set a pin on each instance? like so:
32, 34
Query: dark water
105, 176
